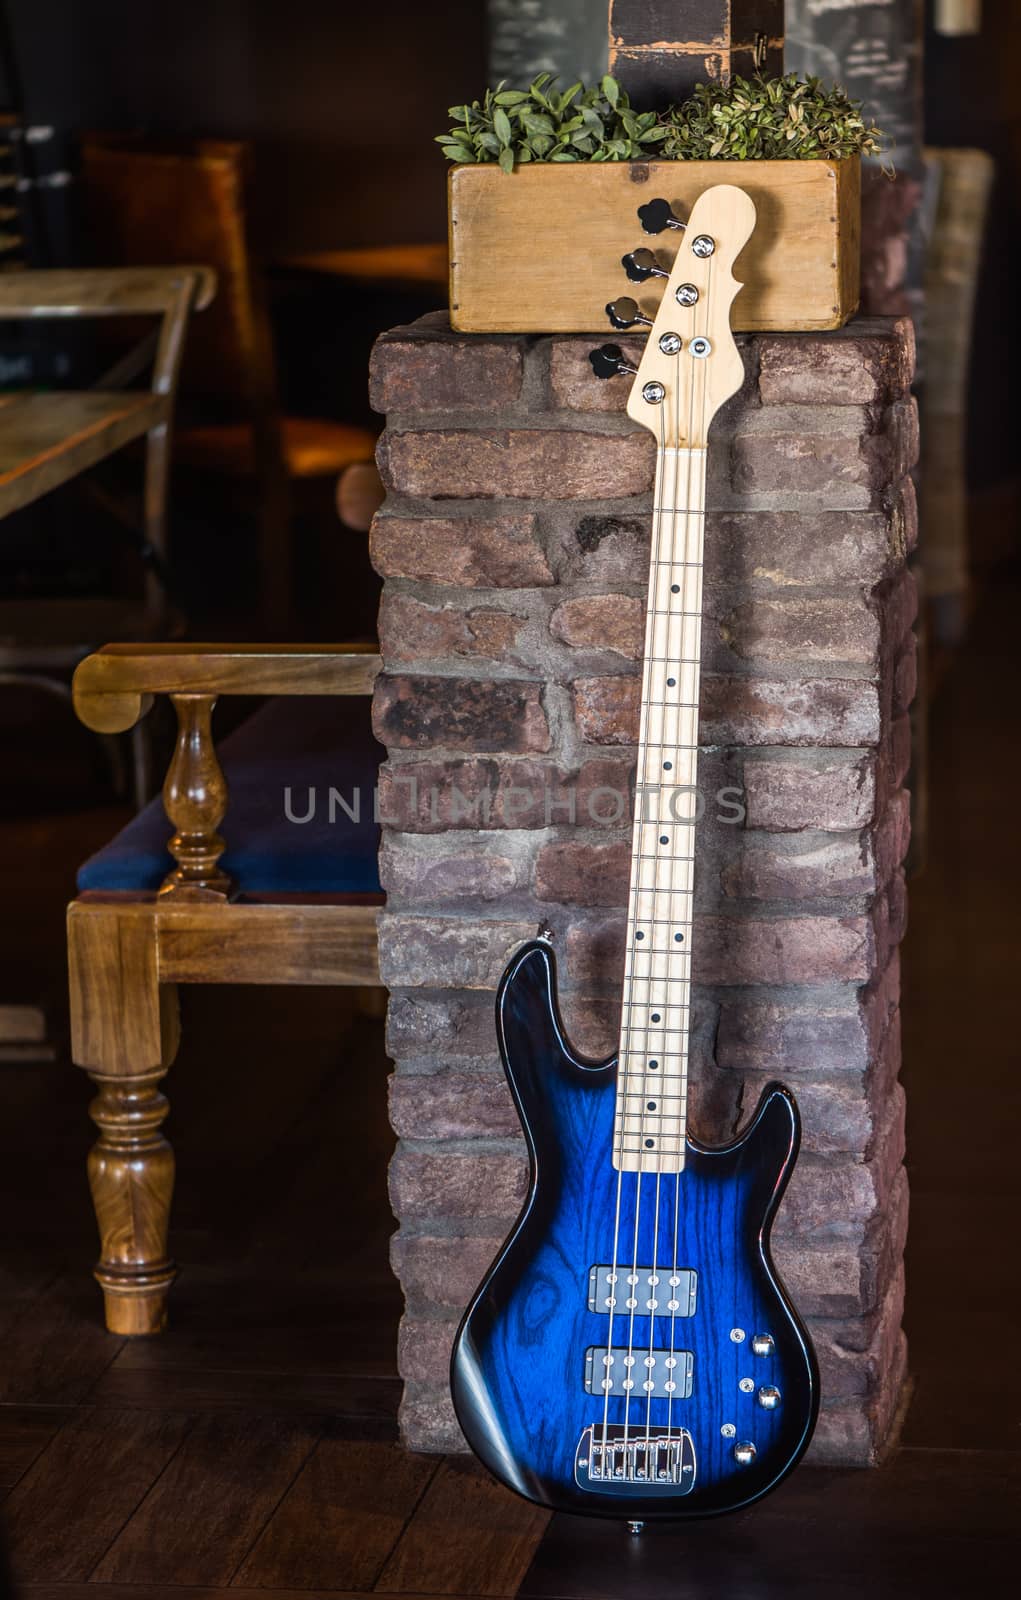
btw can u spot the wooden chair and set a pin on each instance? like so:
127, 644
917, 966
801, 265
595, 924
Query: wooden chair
173, 200
284, 901
47, 439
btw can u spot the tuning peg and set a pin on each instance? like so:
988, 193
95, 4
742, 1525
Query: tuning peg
656, 215
624, 313
642, 264
608, 361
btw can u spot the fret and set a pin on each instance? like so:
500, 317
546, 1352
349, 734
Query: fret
673, 650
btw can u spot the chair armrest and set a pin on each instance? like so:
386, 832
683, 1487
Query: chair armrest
114, 686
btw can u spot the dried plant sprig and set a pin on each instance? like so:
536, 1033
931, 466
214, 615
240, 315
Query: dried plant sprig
789, 118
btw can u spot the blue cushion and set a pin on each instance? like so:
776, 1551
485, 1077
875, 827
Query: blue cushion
301, 843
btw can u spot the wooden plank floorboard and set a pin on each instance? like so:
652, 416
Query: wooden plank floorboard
55, 1346
469, 1534
202, 1516
25, 1431
146, 1591
74, 1500
372, 1401
915, 1527
340, 1519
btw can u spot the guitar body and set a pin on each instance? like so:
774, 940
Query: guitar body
529, 1358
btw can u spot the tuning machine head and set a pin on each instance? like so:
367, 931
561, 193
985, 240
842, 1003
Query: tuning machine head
656, 215
642, 264
624, 313
608, 362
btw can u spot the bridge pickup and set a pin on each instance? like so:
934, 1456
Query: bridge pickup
609, 1458
642, 1374
660, 1293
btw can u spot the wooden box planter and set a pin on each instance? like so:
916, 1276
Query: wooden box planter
538, 250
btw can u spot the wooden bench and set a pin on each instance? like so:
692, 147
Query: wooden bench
293, 897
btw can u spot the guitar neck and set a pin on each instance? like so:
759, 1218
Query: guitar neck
649, 1133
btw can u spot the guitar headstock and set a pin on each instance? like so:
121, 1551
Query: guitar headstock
691, 365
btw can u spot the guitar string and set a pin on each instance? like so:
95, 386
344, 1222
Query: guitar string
624, 1047
652, 652
696, 526
660, 743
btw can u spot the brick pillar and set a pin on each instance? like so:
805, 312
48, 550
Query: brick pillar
514, 543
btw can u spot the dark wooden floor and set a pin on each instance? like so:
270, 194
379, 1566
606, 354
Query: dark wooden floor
253, 1447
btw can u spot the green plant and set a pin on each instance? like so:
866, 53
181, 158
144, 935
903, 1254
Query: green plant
538, 124
789, 118
769, 119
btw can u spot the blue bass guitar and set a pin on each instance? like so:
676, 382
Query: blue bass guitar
632, 1352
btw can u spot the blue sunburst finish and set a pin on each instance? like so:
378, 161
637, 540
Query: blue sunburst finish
519, 1359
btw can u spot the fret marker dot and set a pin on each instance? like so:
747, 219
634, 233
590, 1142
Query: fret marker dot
679, 937
651, 1105
668, 766
649, 1144
639, 936
664, 838
671, 683
653, 1065
675, 588
655, 1016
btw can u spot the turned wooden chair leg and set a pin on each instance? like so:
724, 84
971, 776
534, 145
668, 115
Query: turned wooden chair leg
124, 1033
131, 1175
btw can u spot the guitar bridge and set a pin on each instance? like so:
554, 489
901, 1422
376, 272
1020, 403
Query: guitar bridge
609, 1460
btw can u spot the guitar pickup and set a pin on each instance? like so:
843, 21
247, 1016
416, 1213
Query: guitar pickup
645, 1291
642, 1374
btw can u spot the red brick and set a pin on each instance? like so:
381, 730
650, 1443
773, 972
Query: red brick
867, 368
893, 835
505, 714
527, 463
834, 711
418, 877
459, 1024
444, 1270
605, 547
451, 1105
737, 950
831, 548
860, 1432
423, 1349
500, 552
837, 1196
811, 453
739, 711
573, 384
778, 1034
584, 874
845, 1278
456, 1184
613, 622
800, 630
833, 791
855, 1355
427, 1420
411, 630
774, 866
428, 368
504, 792
905, 676
446, 952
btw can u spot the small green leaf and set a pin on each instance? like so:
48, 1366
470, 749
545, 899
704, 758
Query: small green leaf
507, 160
610, 88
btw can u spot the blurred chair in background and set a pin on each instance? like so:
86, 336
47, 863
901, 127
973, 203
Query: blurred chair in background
953, 258
49, 438
168, 201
